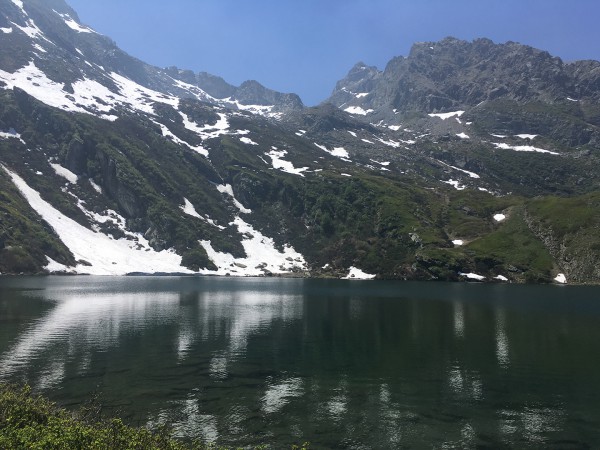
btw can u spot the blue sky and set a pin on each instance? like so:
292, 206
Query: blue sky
305, 46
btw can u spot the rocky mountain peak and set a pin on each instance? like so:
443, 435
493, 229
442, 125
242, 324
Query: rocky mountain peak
455, 74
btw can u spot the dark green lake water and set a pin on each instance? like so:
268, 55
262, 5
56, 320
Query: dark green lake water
342, 364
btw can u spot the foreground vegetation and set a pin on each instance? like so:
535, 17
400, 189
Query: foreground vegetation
28, 421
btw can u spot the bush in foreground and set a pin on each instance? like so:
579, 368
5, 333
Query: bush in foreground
29, 421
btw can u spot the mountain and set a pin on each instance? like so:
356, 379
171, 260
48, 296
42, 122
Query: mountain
114, 166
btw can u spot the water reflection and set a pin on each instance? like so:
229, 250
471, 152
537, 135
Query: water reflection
341, 364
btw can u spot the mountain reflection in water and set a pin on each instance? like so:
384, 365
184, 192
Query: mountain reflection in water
342, 364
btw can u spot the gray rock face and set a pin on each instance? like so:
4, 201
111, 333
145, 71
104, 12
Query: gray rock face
454, 74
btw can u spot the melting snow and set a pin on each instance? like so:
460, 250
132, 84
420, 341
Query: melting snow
501, 278
85, 96
572, 99
19, 4
367, 141
561, 278
471, 174
31, 30
65, 173
463, 136
499, 217
358, 110
447, 115
345, 175
522, 148
389, 143
340, 152
456, 184
207, 131
106, 255
458, 242
95, 186
361, 94
279, 163
352, 133
6, 30
472, 276
228, 190
74, 25
11, 134
357, 274
261, 110
189, 209
248, 141
167, 133
261, 255
394, 127
54, 266
526, 136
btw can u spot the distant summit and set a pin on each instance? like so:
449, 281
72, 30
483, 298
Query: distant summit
453, 74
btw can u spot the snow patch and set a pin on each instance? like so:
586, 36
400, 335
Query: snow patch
472, 276
189, 209
352, 133
279, 163
6, 30
208, 131
262, 256
260, 110
561, 278
389, 143
65, 173
70, 22
361, 94
499, 217
95, 186
463, 136
247, 141
228, 190
458, 242
386, 163
572, 99
526, 136
357, 274
345, 174
471, 174
501, 278
340, 152
455, 184
358, 110
168, 134
523, 148
394, 127
11, 134
447, 115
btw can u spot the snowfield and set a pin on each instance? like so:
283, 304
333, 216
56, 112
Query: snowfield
105, 255
261, 255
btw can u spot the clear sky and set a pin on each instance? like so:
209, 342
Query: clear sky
305, 46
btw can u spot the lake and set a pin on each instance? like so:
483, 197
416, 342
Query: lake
342, 364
